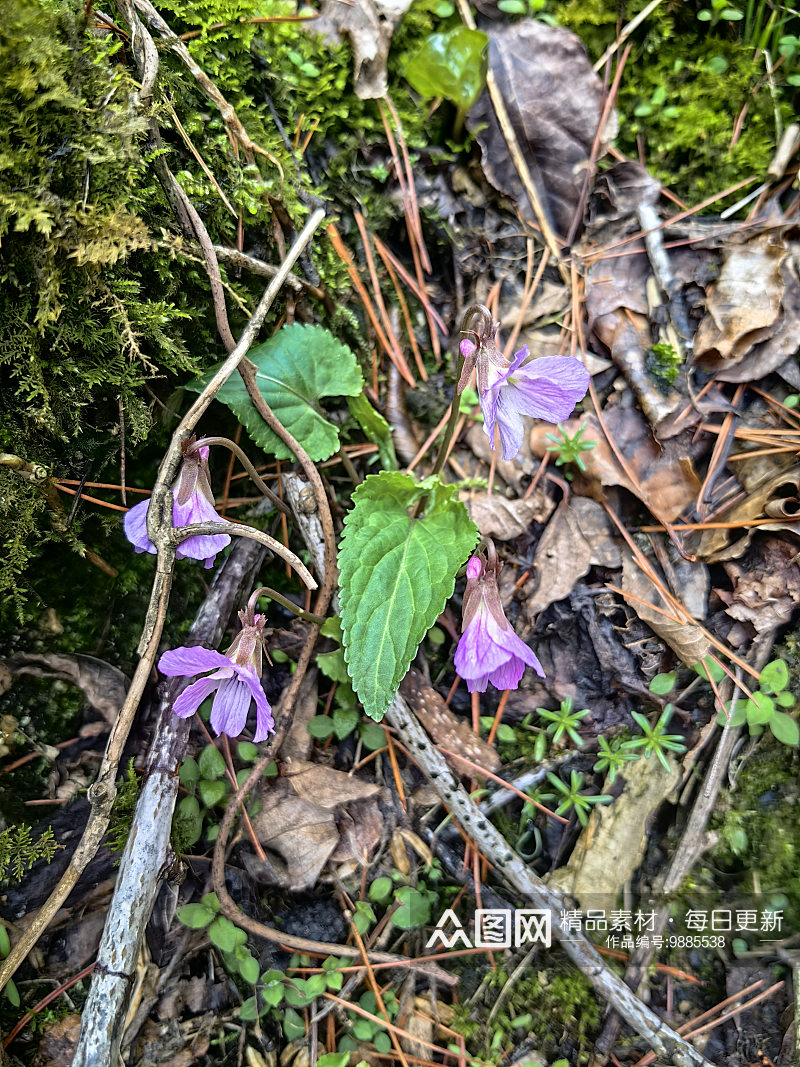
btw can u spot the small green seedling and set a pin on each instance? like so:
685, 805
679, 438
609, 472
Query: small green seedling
571, 799
568, 448
612, 757
655, 739
564, 721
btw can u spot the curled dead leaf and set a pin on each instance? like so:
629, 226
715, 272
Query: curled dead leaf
496, 516
685, 638
104, 686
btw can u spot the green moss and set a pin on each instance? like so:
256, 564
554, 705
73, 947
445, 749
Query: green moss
549, 1002
692, 97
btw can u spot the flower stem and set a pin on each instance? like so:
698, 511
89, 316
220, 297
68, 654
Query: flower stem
265, 590
227, 443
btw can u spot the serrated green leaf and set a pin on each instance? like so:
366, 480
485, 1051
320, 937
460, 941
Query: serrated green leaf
785, 728
222, 934
211, 763
774, 677
376, 429
294, 369
195, 916
396, 574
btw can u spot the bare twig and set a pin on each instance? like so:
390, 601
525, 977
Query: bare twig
159, 529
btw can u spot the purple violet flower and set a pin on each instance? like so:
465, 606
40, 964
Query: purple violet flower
489, 650
193, 502
236, 681
547, 388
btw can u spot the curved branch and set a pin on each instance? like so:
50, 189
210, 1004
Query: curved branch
261, 485
195, 529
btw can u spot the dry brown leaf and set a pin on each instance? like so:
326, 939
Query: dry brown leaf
325, 786
360, 829
496, 516
445, 728
368, 26
554, 100
104, 686
686, 639
767, 480
577, 537
613, 844
298, 741
666, 480
303, 834
743, 305
766, 589
512, 471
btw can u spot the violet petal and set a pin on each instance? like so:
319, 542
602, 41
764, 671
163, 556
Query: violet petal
202, 546
230, 707
189, 661
193, 696
135, 526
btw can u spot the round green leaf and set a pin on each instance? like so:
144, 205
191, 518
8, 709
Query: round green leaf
397, 572
248, 1010
5, 943
372, 735
382, 1042
247, 752
320, 726
334, 1059
195, 916
380, 890
211, 792
451, 64
12, 993
211, 763
189, 772
222, 934
774, 677
785, 728
760, 709
293, 1025
663, 684
414, 910
363, 1029
248, 969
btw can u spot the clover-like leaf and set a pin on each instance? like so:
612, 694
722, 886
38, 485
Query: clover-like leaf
294, 369
397, 571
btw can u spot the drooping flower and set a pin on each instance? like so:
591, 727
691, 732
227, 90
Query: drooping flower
547, 388
489, 650
193, 502
236, 681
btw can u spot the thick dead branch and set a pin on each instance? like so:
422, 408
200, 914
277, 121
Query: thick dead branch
147, 855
